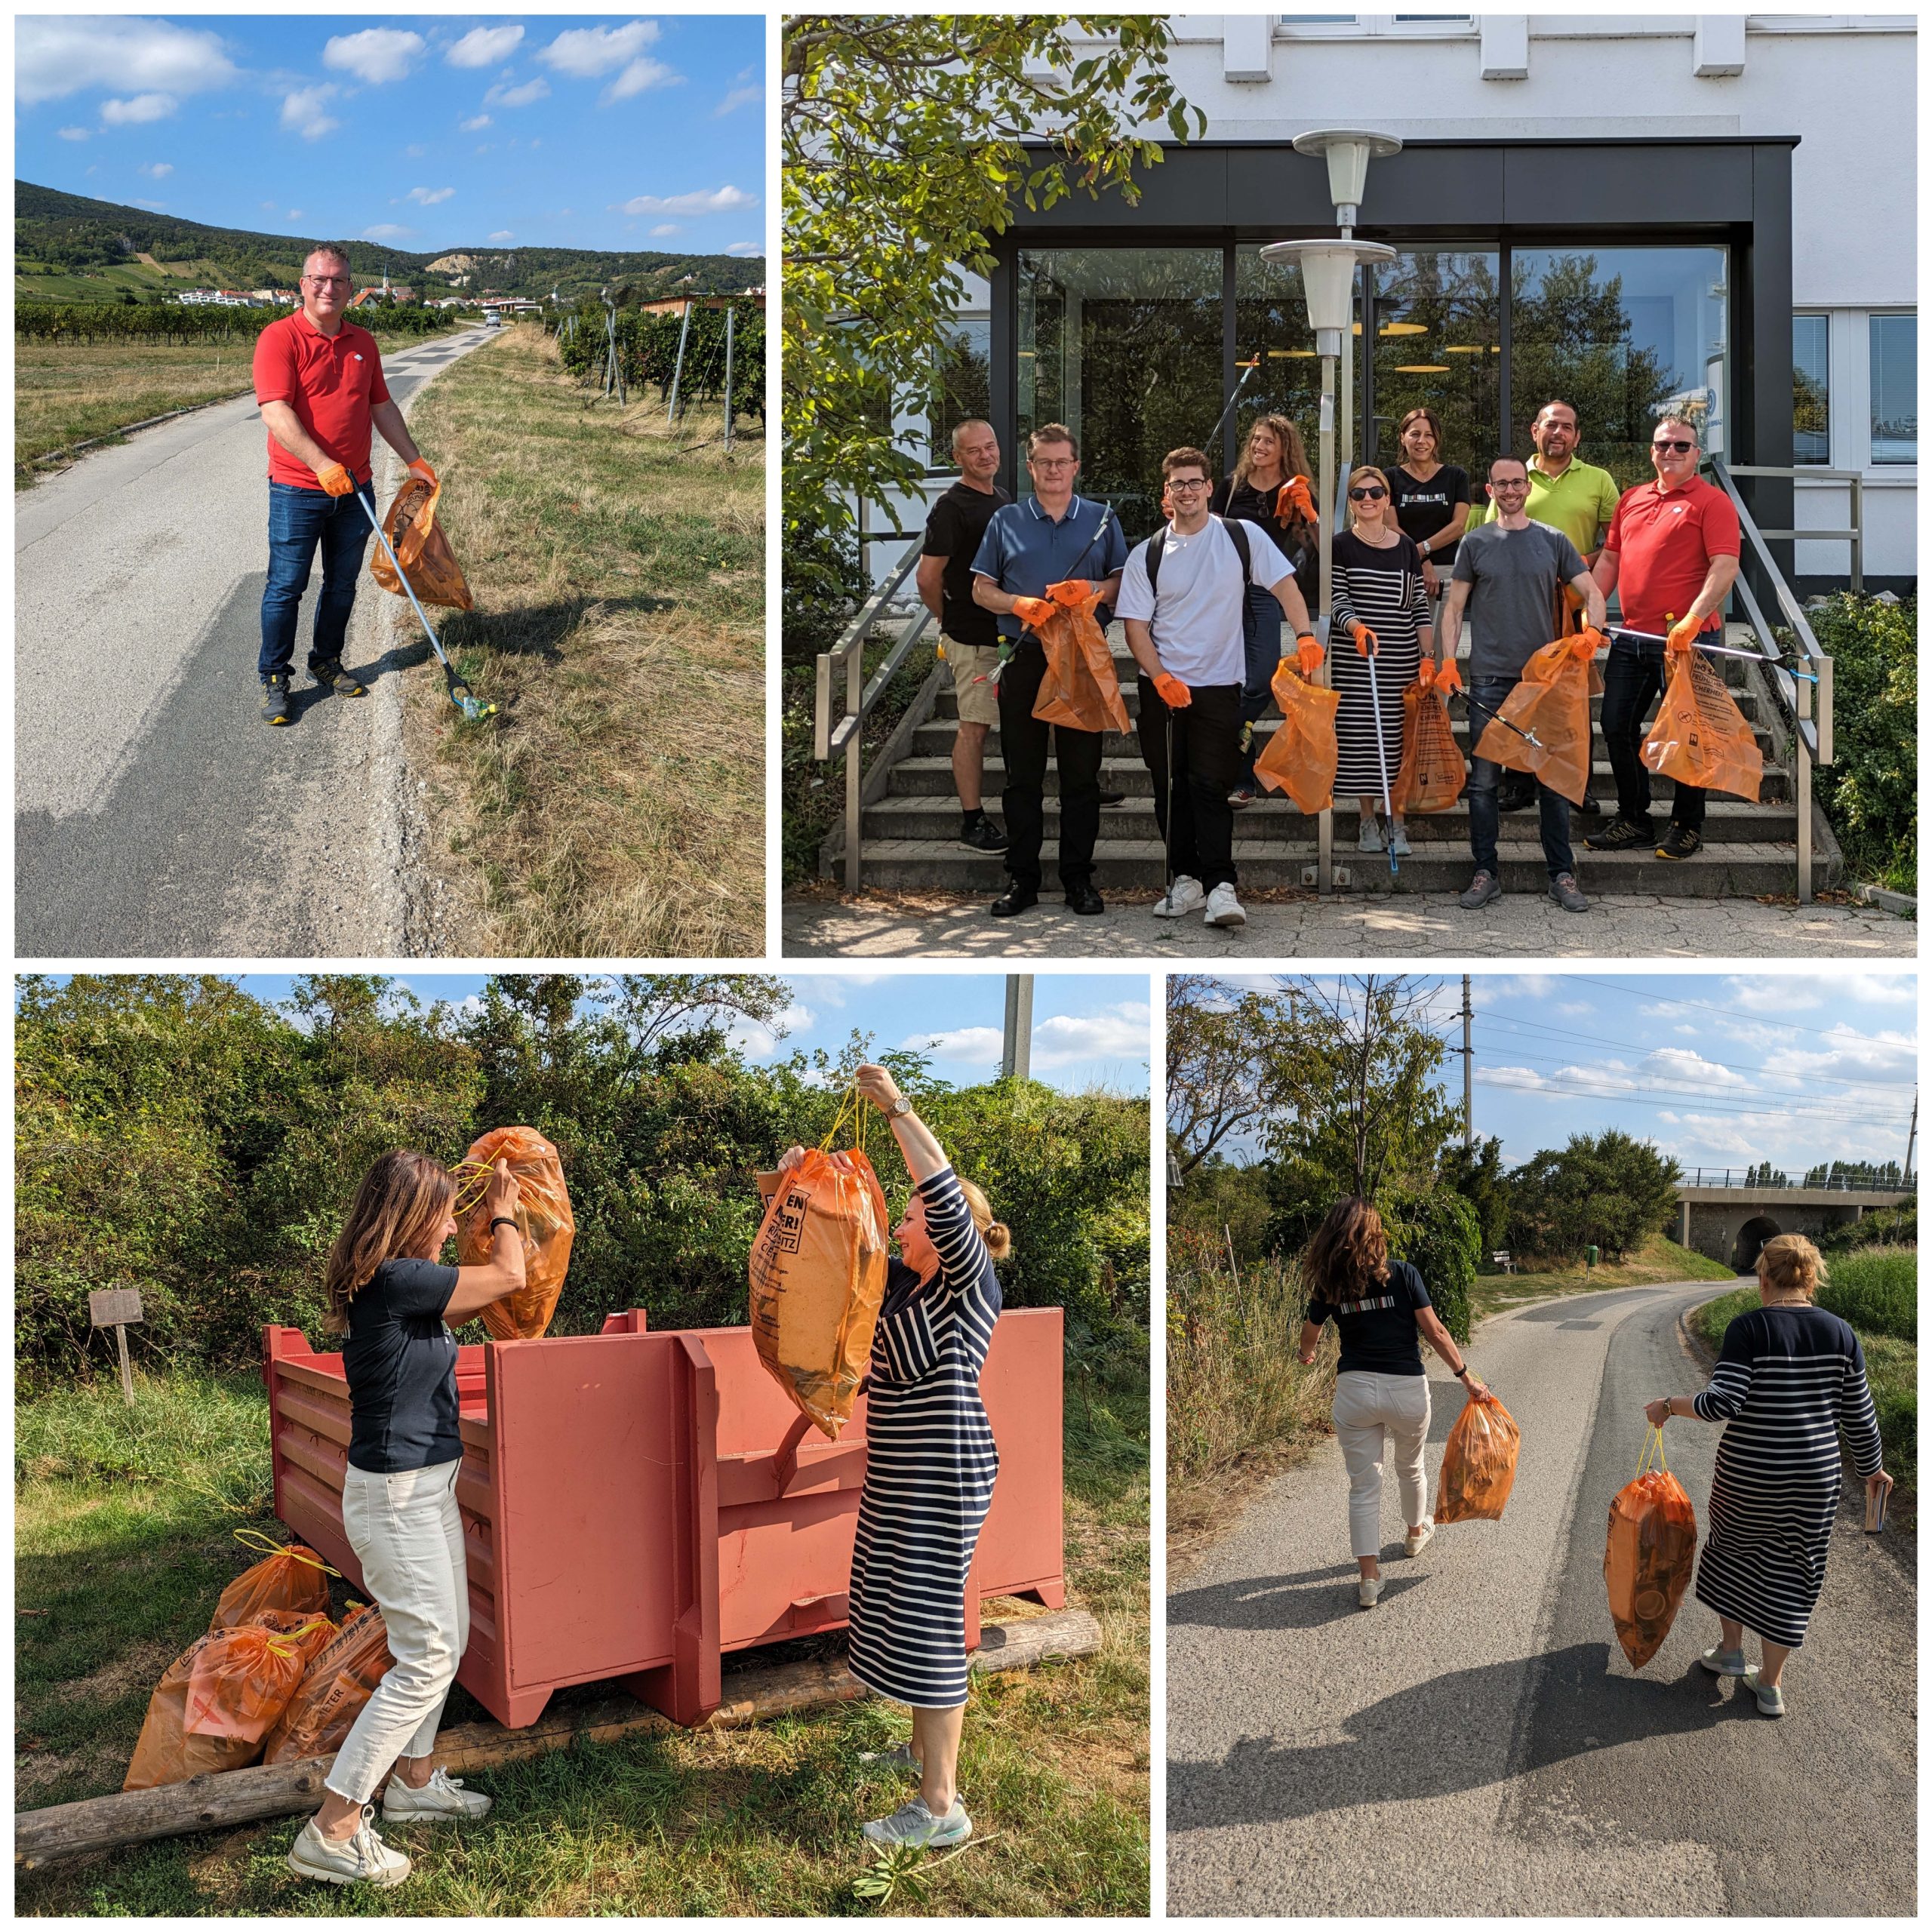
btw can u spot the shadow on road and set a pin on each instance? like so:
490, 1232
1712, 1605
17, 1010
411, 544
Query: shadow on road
1302, 1602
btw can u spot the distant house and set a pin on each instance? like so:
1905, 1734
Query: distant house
676, 305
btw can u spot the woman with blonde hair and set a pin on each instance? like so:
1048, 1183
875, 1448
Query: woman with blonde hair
1789, 1378
391, 1300
931, 1461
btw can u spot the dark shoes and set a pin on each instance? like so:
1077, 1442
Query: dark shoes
332, 678
1113, 797
1680, 842
275, 707
1588, 806
980, 834
1085, 898
1515, 797
1619, 836
1015, 899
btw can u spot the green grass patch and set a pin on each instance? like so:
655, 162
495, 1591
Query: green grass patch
1660, 1259
1876, 1289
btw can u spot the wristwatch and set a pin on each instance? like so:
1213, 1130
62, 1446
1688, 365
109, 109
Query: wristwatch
899, 1109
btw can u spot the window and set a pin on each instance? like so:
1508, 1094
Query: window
1811, 389
1894, 389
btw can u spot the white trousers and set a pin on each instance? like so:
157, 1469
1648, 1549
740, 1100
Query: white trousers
1372, 1413
407, 1534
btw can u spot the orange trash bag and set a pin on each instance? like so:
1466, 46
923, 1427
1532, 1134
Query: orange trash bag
1299, 759
1648, 1554
1432, 773
289, 1577
1082, 689
1699, 736
421, 549
216, 1702
339, 1681
542, 1218
1479, 1463
1551, 701
817, 1278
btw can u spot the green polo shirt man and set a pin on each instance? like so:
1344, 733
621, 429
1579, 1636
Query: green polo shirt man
1566, 493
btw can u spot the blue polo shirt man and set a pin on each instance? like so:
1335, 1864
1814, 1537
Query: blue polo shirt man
1051, 537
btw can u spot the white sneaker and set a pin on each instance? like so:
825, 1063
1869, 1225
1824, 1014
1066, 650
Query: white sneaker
913, 1825
1185, 895
1398, 841
361, 1859
1369, 839
443, 1797
1368, 1589
1224, 908
1414, 1543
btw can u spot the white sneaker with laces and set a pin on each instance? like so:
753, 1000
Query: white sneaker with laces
1223, 908
442, 1798
1185, 895
1368, 1589
361, 1859
1414, 1543
1369, 838
913, 1824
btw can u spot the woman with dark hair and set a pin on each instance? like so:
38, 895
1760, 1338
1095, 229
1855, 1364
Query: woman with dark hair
391, 1299
1380, 1307
1430, 497
930, 1460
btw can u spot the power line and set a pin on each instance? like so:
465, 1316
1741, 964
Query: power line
1649, 1096
1729, 1012
1661, 1079
1733, 1065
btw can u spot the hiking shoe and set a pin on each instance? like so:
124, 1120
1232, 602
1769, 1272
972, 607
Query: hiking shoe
1770, 1696
442, 1798
981, 834
1721, 1663
1223, 908
1484, 887
1619, 835
1415, 1540
1563, 890
361, 1859
1369, 839
1240, 796
1398, 840
1368, 1589
899, 1758
275, 707
913, 1825
332, 678
1589, 805
1185, 895
1680, 842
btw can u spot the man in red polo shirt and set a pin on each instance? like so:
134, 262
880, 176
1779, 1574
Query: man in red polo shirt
319, 378
1671, 556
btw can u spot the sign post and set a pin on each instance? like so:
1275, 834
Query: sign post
115, 1308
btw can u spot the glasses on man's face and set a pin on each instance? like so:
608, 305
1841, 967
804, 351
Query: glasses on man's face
1050, 463
1373, 493
1676, 446
1187, 482
327, 281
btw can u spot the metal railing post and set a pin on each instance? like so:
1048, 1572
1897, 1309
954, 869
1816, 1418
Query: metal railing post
1858, 534
1801, 704
855, 750
731, 321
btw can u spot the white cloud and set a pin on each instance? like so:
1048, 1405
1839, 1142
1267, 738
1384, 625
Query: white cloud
477, 123
500, 96
665, 228
715, 201
294, 215
387, 231
73, 133
584, 53
375, 55
638, 77
156, 170
142, 108
484, 47
737, 98
54, 56
428, 198
155, 207
965, 1046
758, 1041
302, 112
1119, 1034
502, 234
746, 250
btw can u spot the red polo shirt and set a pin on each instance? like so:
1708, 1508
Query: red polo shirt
1664, 540
330, 382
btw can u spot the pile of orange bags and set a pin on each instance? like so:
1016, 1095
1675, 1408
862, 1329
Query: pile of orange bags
338, 1684
1648, 1554
1699, 736
287, 1578
1552, 702
817, 1279
1479, 1463
1081, 688
421, 549
1432, 773
1299, 758
542, 1218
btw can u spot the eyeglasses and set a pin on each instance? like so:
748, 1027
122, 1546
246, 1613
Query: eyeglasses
1372, 493
1523, 485
327, 281
1677, 447
1052, 463
1187, 482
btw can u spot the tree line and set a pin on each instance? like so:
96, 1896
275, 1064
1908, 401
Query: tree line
647, 352
170, 322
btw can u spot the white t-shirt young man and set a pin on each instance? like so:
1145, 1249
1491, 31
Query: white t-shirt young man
1194, 612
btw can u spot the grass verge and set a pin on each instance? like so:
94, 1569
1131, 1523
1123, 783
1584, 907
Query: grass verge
615, 805
124, 1537
1660, 1259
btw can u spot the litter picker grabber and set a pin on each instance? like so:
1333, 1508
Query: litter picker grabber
1497, 718
461, 696
1615, 631
1382, 757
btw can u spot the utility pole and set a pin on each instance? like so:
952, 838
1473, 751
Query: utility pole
1016, 1059
1469, 1083
1911, 1136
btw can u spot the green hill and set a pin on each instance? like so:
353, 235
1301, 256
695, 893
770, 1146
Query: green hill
68, 248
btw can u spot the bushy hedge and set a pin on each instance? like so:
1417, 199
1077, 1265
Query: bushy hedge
169, 322
647, 352
1876, 1289
1883, 1227
1437, 1232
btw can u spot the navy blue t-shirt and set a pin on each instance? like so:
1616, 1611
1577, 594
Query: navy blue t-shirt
1378, 1331
400, 1358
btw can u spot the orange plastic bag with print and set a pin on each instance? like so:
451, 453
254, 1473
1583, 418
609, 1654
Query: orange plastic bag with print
542, 1218
1299, 758
1698, 736
1551, 703
1432, 773
290, 1577
817, 1279
1648, 1554
1479, 1463
1081, 688
339, 1681
421, 549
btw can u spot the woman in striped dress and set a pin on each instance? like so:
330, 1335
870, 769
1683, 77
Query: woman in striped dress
1380, 602
930, 1460
1789, 1378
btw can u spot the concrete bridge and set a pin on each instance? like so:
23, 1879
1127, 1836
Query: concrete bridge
1730, 1224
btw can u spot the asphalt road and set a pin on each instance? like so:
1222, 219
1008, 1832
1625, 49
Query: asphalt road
1478, 1744
155, 815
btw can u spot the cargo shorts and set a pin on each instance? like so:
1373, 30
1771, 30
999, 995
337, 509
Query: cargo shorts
973, 667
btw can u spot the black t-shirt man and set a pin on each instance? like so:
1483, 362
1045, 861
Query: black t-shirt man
954, 526
400, 1358
1378, 1329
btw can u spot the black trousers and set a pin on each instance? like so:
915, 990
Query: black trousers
1023, 744
1206, 767
1631, 677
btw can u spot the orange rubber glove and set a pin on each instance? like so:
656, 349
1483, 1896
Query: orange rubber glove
1073, 590
1292, 499
336, 480
1448, 677
1683, 634
1366, 640
1426, 672
1033, 610
1587, 643
1174, 694
1307, 656
420, 467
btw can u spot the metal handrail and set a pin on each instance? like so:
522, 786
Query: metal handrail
847, 736
1854, 539
1781, 1183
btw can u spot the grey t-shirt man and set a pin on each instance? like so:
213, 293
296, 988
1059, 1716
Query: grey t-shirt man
1514, 577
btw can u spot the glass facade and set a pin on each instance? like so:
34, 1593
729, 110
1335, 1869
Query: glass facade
1811, 388
1894, 389
962, 382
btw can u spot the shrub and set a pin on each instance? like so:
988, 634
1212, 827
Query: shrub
1884, 1227
1876, 1289
1436, 1232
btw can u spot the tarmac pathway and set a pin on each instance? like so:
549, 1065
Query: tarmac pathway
1478, 1744
155, 815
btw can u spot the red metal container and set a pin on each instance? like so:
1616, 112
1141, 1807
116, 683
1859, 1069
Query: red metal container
635, 1504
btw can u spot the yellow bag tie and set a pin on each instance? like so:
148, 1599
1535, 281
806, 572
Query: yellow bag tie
473, 1183
265, 1545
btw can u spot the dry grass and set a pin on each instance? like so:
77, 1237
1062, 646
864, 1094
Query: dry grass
615, 805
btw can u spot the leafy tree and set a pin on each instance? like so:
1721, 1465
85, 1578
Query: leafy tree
1763, 1175
1476, 1174
1434, 1230
1845, 1173
1222, 1199
1235, 1057
1607, 1190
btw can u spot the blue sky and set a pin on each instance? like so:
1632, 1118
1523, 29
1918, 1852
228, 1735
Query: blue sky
1089, 1030
617, 131
1718, 1069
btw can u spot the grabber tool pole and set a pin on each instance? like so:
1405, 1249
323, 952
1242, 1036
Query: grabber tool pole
1497, 718
461, 696
1382, 758
1710, 650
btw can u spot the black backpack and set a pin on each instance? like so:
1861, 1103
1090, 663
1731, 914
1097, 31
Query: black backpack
1156, 549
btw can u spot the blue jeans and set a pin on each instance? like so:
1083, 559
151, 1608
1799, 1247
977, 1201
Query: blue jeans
1261, 636
1489, 694
298, 521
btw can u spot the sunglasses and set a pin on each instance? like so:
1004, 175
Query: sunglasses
1374, 494
1677, 448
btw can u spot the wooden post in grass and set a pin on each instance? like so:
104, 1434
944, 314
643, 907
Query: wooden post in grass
731, 321
115, 1308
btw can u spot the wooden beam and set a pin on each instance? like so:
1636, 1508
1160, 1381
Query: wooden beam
218, 1800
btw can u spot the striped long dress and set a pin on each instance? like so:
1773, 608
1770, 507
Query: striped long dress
1787, 1380
1382, 589
930, 1464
